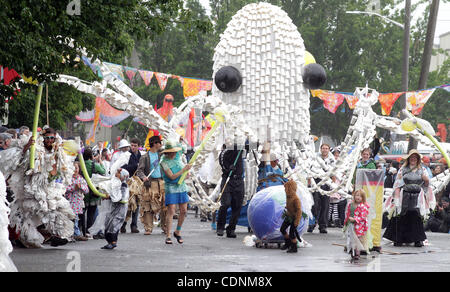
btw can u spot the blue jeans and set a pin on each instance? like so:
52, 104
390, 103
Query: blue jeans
76, 231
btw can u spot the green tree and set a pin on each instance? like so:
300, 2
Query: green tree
41, 40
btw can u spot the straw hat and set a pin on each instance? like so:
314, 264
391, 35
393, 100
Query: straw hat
170, 147
411, 152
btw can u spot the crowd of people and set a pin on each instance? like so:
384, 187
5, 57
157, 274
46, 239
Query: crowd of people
159, 197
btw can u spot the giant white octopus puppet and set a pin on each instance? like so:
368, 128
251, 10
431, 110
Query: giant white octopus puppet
261, 90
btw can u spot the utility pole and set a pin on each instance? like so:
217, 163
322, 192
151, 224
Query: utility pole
405, 63
426, 57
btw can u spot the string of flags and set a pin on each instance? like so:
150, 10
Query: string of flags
415, 100
191, 86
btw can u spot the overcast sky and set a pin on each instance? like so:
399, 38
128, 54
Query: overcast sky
443, 24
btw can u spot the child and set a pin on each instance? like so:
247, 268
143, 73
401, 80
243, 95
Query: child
75, 195
119, 206
355, 224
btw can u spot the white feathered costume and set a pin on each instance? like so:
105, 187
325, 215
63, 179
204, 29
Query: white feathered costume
39, 199
6, 265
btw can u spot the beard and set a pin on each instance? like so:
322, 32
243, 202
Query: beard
49, 147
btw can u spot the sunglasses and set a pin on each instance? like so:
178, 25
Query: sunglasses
169, 100
49, 137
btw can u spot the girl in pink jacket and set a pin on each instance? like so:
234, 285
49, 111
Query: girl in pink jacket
356, 224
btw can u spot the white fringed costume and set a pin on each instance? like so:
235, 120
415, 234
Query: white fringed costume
39, 198
6, 265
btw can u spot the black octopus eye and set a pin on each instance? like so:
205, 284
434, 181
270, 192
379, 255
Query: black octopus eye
228, 79
314, 76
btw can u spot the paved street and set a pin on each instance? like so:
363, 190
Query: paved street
203, 251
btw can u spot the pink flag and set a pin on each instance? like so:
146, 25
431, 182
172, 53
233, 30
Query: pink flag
146, 76
331, 100
415, 100
162, 79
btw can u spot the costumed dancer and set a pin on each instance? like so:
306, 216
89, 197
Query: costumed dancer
356, 224
175, 194
152, 197
118, 199
39, 210
292, 216
233, 190
6, 265
411, 200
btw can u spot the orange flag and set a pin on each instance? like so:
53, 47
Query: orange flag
387, 101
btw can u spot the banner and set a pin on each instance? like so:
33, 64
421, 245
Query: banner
387, 101
351, 100
371, 181
192, 87
415, 101
162, 79
331, 100
146, 76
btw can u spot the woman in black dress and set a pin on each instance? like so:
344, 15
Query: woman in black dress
410, 202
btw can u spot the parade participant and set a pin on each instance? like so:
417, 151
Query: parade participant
338, 202
131, 167
269, 173
106, 160
175, 194
426, 164
5, 141
233, 192
39, 210
152, 199
91, 201
6, 265
356, 224
366, 162
321, 206
123, 148
412, 199
24, 131
292, 216
118, 198
75, 195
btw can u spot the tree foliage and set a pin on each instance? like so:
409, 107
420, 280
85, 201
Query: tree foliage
41, 40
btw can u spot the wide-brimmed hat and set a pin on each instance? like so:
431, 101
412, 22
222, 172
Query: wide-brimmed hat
124, 143
411, 152
171, 147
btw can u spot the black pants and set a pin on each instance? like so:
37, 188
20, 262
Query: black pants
111, 237
292, 229
233, 197
89, 213
320, 209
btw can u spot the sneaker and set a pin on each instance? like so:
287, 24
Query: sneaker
323, 231
109, 246
418, 244
99, 236
310, 228
220, 232
134, 230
